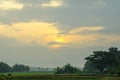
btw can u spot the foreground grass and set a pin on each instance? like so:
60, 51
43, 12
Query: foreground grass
51, 76
63, 77
111, 78
27, 73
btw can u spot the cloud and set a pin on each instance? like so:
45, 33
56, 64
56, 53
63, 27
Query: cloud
48, 35
25, 33
83, 29
52, 3
56, 44
10, 5
101, 3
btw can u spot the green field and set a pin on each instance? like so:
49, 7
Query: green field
27, 73
50, 76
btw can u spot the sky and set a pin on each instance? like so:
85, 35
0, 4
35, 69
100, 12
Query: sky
51, 33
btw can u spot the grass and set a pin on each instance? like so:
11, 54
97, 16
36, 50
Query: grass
27, 73
111, 78
51, 76
55, 77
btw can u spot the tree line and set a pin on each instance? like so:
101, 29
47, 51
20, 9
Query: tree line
4, 67
67, 69
100, 62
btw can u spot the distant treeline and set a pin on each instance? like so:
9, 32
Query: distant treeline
15, 68
100, 62
67, 69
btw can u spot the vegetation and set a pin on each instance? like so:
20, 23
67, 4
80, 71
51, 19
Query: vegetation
106, 61
90, 68
16, 68
4, 67
100, 62
20, 68
43, 76
67, 69
26, 73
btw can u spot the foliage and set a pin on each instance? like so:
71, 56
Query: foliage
16, 68
67, 69
20, 68
4, 67
106, 61
90, 68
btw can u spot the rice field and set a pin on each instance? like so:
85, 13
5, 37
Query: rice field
51, 76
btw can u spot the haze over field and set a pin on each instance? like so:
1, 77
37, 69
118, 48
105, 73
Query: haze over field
50, 33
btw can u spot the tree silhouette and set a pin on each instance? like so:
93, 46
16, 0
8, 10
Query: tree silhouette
105, 60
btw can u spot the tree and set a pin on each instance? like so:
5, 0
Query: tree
90, 68
98, 59
105, 60
59, 70
4, 67
67, 69
20, 68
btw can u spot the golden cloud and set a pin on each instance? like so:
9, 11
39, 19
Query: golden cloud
82, 29
53, 3
47, 34
10, 5
38, 32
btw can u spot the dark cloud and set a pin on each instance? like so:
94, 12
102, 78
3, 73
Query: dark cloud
56, 43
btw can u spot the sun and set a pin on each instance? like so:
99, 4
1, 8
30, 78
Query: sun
60, 40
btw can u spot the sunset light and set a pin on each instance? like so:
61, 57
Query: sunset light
51, 33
